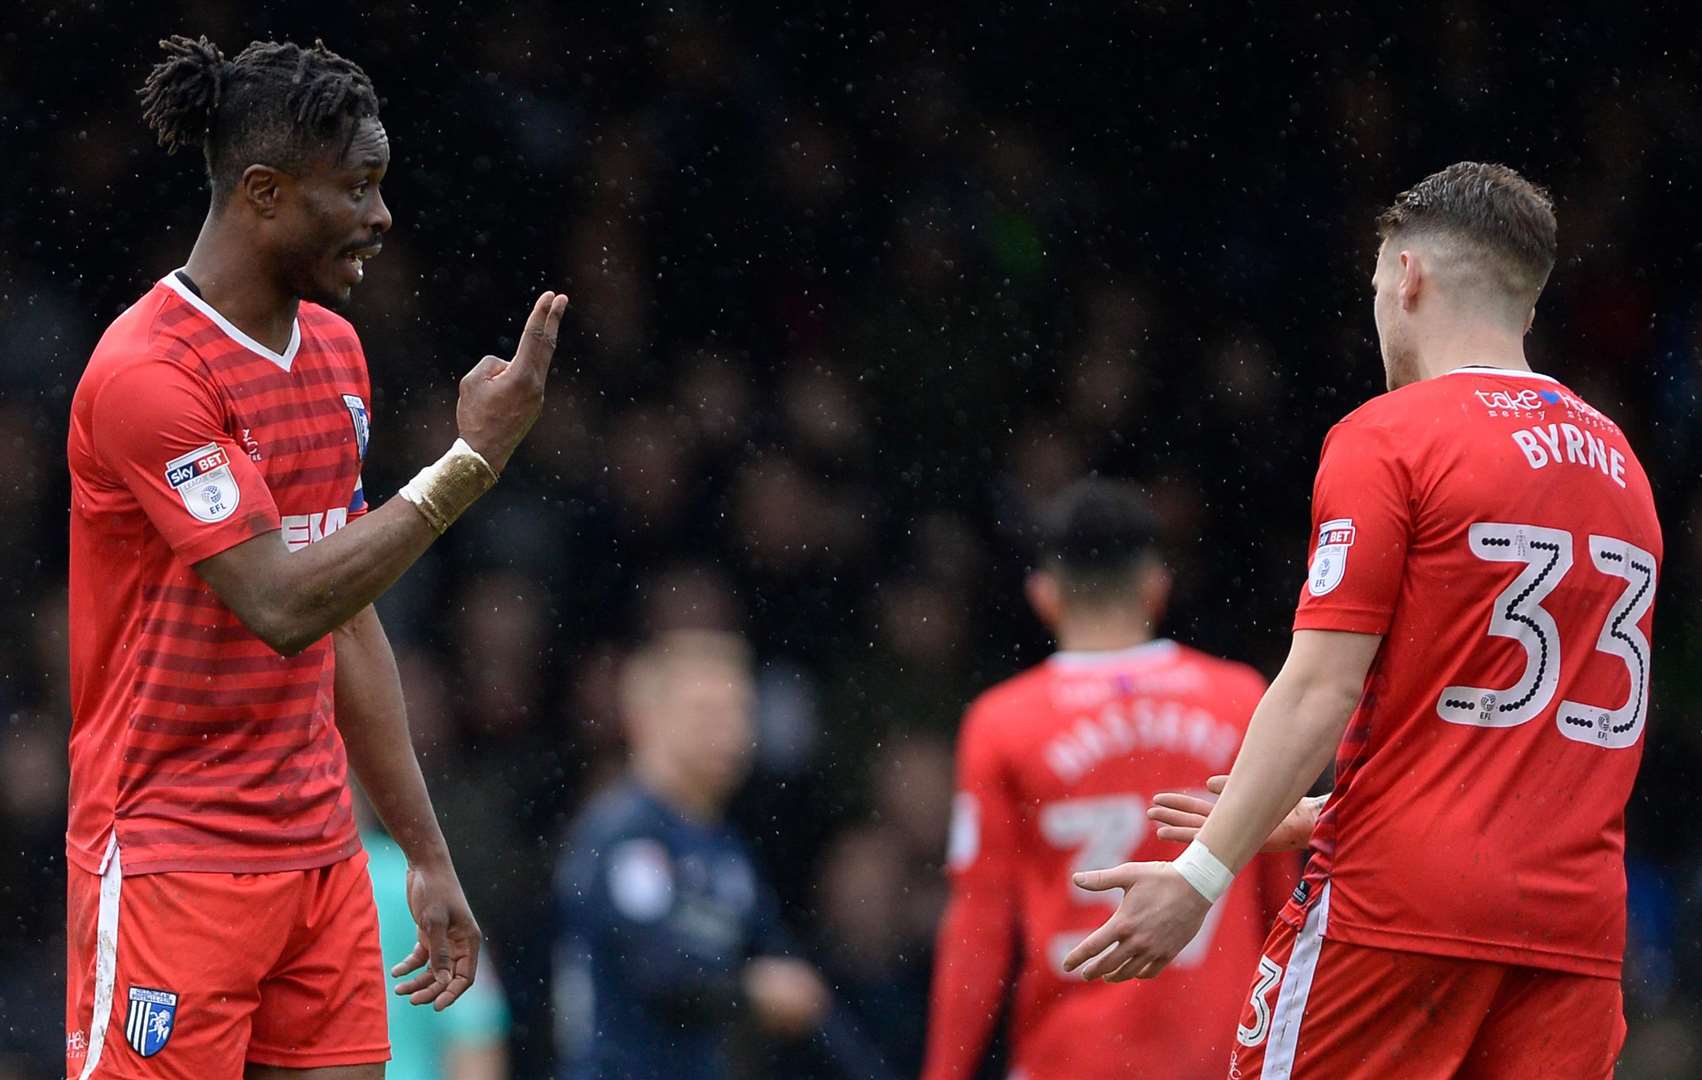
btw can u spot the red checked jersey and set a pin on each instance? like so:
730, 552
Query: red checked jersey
194, 746
1056, 769
1500, 534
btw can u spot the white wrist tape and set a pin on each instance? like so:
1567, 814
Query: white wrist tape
443, 490
1201, 869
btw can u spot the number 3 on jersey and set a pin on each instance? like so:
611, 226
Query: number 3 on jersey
1519, 614
1105, 831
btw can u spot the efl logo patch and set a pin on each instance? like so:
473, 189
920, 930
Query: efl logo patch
202, 478
357, 413
153, 1013
1329, 562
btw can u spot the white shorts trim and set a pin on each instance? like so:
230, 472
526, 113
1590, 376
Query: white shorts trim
106, 954
1296, 988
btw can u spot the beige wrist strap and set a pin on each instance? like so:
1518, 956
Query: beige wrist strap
442, 491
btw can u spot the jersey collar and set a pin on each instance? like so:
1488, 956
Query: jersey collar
1079, 658
283, 359
1485, 369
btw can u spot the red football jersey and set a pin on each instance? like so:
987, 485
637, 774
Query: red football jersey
1056, 769
193, 745
1500, 534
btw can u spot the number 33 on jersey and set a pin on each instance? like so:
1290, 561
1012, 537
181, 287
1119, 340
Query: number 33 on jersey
1482, 782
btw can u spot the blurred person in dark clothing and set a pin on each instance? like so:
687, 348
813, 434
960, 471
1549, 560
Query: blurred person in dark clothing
666, 935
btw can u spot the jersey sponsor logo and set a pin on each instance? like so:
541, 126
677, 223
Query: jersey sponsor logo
363, 424
1530, 404
203, 479
151, 1020
1329, 562
250, 445
301, 530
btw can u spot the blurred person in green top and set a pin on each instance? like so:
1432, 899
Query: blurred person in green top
468, 1042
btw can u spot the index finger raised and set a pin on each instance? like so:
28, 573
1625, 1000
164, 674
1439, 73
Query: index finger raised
538, 339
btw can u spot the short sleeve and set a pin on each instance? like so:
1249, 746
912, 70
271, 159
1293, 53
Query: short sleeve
160, 431
1361, 523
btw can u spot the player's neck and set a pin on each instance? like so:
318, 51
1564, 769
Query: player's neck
1102, 633
234, 283
1471, 344
676, 791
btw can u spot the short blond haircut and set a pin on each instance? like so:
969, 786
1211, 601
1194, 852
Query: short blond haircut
1490, 215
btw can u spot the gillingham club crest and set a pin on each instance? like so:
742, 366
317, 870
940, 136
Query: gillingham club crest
153, 1013
357, 413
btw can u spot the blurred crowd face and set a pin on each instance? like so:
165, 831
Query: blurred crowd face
693, 715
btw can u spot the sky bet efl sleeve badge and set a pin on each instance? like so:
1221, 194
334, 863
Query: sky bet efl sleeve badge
1330, 560
153, 1013
202, 478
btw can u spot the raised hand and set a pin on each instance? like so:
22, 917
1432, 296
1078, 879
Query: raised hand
501, 399
446, 957
1180, 817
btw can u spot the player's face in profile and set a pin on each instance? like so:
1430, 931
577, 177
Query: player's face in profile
1399, 365
337, 218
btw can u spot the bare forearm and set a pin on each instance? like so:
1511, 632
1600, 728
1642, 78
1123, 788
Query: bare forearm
373, 720
1290, 740
290, 599
1288, 744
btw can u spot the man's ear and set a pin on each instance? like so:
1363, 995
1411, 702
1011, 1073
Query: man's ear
1045, 597
1412, 279
261, 188
1154, 590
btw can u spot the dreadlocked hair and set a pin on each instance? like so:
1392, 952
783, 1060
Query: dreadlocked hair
276, 104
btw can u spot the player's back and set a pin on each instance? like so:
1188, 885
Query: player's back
1082, 743
1501, 534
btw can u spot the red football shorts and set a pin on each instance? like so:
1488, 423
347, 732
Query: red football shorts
189, 976
1324, 1010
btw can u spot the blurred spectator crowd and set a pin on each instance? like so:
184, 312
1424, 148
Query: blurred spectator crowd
852, 291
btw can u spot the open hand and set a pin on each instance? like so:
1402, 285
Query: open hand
501, 399
447, 955
1160, 913
1180, 817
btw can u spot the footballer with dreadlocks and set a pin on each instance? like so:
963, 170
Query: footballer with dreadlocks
227, 666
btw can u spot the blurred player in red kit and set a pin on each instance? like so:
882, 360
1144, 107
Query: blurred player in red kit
227, 666
1473, 642
1055, 770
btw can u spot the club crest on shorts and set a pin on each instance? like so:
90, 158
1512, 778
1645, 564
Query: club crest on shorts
1329, 562
203, 480
148, 1025
357, 413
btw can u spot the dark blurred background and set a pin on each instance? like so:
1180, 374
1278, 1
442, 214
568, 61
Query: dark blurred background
853, 287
